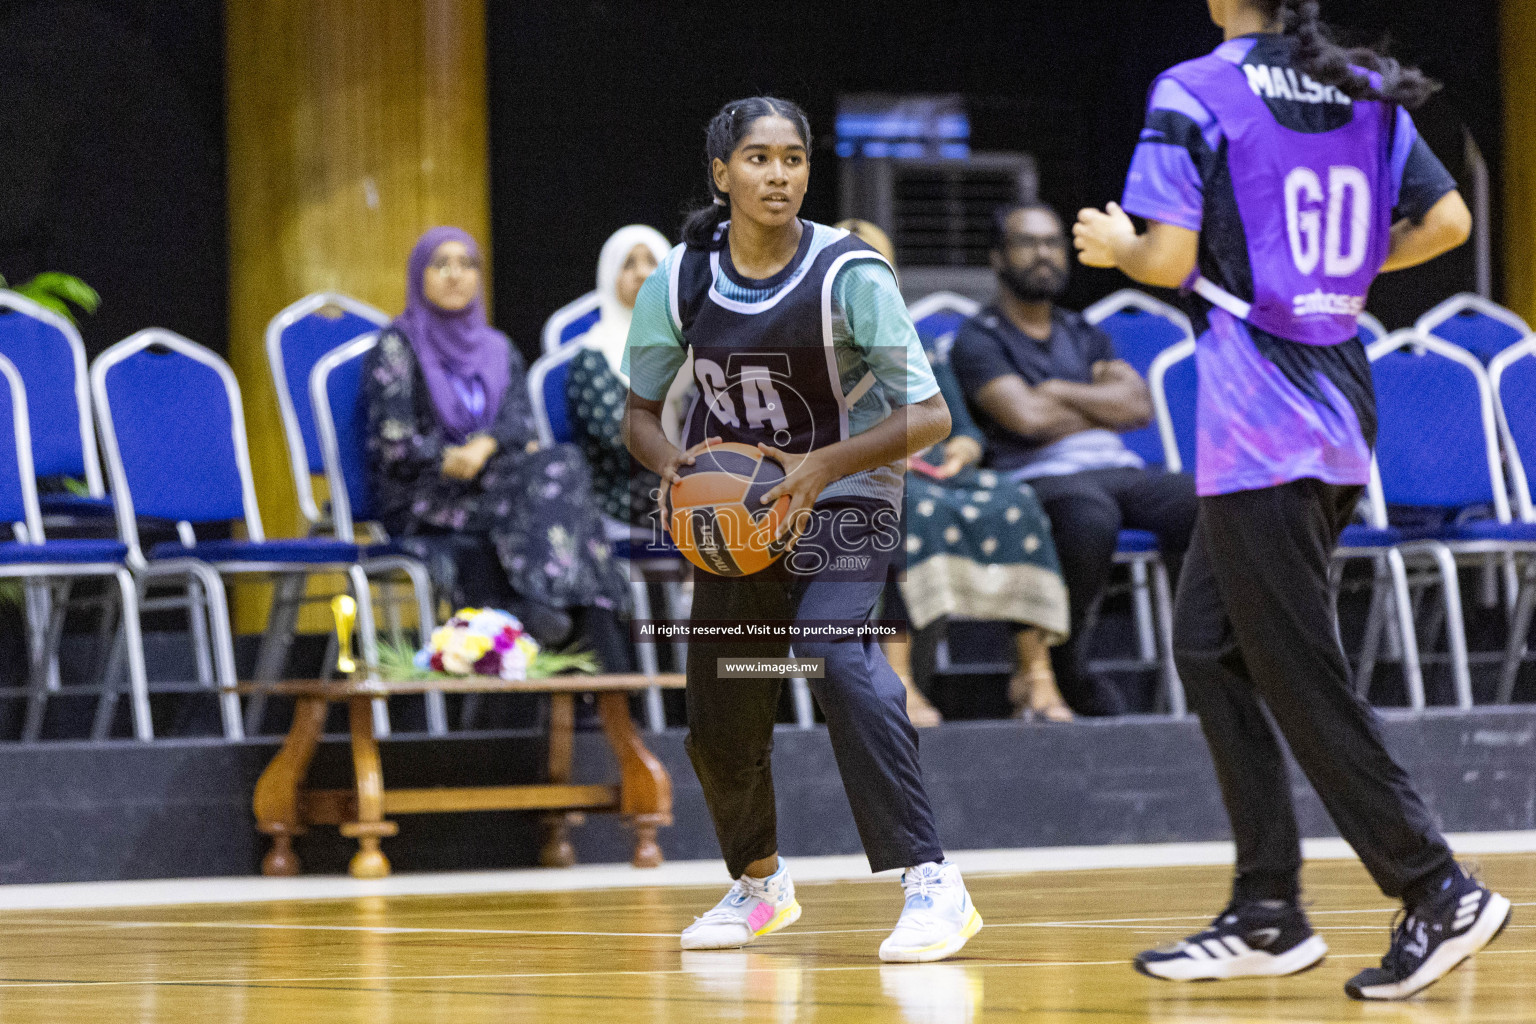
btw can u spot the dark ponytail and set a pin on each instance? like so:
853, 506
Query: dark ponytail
725, 132
1329, 63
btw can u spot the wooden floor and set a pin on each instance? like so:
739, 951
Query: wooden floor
1055, 949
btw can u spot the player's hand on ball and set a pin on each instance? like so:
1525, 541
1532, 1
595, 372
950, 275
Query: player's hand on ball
1098, 235
669, 474
804, 478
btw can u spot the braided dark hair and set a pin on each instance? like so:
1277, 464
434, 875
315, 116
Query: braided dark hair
1329, 63
725, 132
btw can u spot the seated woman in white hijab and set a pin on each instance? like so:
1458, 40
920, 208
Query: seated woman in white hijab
595, 388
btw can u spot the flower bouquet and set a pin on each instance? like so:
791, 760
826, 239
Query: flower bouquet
482, 642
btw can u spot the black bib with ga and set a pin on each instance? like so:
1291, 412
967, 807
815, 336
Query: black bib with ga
765, 369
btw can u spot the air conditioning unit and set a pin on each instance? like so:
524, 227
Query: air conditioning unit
938, 212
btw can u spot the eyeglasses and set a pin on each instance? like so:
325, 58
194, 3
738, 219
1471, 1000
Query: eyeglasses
1020, 241
458, 265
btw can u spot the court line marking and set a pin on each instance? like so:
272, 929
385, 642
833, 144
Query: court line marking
1126, 923
332, 982
370, 929
765, 968
840, 868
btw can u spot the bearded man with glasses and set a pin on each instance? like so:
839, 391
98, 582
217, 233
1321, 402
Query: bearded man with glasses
1052, 398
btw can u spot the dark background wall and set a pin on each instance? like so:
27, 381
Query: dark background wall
598, 107
112, 158
112, 130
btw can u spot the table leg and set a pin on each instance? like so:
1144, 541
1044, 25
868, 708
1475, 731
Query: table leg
557, 851
370, 826
645, 789
276, 802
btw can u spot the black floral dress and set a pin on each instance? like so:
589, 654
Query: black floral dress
535, 507
595, 397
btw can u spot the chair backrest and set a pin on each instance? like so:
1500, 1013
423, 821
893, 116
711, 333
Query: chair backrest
1372, 330
47, 351
173, 430
18, 481
341, 424
546, 390
296, 340
570, 322
1142, 328
1512, 374
1175, 387
1479, 325
940, 314
1437, 436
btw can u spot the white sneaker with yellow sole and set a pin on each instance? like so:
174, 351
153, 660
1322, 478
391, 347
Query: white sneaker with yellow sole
938, 918
753, 908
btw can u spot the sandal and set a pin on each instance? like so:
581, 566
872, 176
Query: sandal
1035, 697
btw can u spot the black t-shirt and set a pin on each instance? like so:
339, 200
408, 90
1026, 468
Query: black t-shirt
989, 346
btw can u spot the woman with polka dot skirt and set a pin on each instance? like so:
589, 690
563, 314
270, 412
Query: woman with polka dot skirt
596, 386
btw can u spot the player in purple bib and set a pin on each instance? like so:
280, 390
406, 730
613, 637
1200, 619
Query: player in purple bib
1278, 175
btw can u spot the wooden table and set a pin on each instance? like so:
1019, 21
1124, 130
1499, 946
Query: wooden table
285, 807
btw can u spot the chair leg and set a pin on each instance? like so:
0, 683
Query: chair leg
215, 601
1162, 604
287, 596
1519, 633
469, 711
106, 630
421, 586
941, 659
276, 640
1141, 604
1489, 592
1431, 621
197, 626
106, 704
1511, 583
645, 653
679, 607
391, 603
368, 639
45, 610
800, 694
382, 570
1455, 627
328, 659
1375, 627
58, 606
1412, 674
805, 715
133, 640
205, 592
645, 650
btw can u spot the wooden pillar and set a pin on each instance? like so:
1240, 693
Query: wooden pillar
353, 126
1517, 58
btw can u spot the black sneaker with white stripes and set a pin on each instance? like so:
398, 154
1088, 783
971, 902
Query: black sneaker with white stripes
1431, 940
1259, 939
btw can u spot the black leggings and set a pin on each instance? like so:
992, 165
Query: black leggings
1255, 645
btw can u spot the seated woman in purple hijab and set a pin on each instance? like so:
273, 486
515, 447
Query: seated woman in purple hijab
457, 471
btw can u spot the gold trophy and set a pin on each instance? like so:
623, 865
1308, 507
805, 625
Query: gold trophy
344, 610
